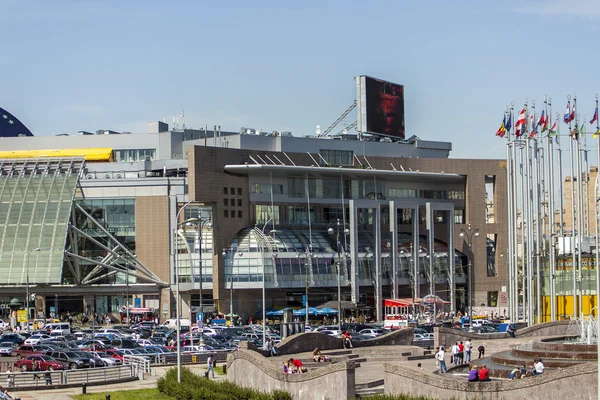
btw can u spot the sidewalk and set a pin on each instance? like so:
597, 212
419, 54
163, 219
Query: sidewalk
65, 394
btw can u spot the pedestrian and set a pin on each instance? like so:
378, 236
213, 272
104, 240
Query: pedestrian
468, 351
481, 351
272, 348
440, 357
461, 352
48, 378
437, 362
209, 364
454, 358
10, 377
511, 330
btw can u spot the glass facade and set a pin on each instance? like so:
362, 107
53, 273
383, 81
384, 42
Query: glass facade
129, 155
35, 208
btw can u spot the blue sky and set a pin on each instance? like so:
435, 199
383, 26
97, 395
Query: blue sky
86, 65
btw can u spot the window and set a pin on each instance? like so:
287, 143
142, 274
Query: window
490, 187
129, 155
232, 191
263, 213
298, 215
332, 214
297, 187
492, 299
239, 214
225, 190
459, 216
433, 194
337, 158
456, 194
371, 189
232, 202
405, 216
265, 188
491, 254
225, 202
239, 202
239, 191
402, 193
226, 213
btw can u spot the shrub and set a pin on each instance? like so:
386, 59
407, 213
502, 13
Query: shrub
195, 387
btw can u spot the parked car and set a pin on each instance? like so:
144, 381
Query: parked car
12, 337
6, 348
107, 359
372, 333
73, 359
46, 363
35, 339
114, 353
26, 351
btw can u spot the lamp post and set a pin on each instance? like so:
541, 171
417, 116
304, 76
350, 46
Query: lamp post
467, 235
37, 249
178, 298
199, 224
308, 255
338, 264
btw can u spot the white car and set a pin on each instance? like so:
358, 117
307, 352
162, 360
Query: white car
35, 339
417, 337
144, 342
4, 325
6, 348
331, 332
196, 349
373, 333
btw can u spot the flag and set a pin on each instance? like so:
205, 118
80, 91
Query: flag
508, 124
567, 116
595, 117
534, 131
553, 129
542, 121
582, 129
502, 130
520, 125
575, 132
596, 134
572, 116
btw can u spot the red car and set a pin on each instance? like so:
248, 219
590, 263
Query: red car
45, 363
27, 350
112, 353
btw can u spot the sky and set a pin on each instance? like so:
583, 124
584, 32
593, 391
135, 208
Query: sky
72, 65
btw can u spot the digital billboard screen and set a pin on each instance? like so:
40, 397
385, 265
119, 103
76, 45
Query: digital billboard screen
380, 107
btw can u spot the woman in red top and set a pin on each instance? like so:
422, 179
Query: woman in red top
483, 374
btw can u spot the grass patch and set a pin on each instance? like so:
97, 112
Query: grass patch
139, 394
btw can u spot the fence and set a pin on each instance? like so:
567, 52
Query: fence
192, 358
142, 363
71, 376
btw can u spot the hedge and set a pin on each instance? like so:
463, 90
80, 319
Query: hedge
195, 387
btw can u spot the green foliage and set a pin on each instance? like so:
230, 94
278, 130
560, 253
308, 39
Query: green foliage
195, 387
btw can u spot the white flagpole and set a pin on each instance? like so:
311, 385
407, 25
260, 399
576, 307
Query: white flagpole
573, 226
561, 198
580, 216
509, 172
530, 244
551, 181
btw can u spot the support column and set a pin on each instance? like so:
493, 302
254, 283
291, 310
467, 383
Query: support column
394, 253
354, 284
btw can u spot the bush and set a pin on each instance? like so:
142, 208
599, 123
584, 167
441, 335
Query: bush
195, 387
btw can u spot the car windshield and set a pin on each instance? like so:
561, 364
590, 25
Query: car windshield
72, 354
6, 344
47, 358
85, 354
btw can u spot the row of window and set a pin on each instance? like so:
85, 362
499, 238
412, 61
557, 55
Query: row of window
337, 189
298, 215
129, 155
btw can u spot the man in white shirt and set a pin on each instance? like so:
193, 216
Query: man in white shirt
468, 351
538, 368
440, 357
455, 352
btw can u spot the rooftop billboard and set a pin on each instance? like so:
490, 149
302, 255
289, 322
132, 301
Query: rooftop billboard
380, 107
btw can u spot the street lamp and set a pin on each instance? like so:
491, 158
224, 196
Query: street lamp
467, 235
178, 298
338, 264
37, 249
308, 256
199, 224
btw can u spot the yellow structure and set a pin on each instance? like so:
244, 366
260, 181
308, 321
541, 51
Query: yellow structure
564, 307
94, 154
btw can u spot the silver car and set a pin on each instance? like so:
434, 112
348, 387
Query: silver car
6, 348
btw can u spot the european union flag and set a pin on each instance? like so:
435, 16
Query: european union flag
10, 126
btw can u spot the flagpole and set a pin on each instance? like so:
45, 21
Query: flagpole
551, 181
573, 252
531, 245
561, 198
510, 200
580, 210
523, 153
514, 227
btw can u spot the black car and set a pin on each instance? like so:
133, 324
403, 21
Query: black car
74, 359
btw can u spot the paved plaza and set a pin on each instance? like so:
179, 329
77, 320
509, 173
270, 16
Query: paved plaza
371, 368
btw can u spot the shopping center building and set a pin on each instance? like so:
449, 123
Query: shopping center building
91, 220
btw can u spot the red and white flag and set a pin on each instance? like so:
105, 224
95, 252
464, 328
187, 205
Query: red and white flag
521, 123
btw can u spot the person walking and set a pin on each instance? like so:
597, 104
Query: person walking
440, 357
468, 351
209, 364
455, 354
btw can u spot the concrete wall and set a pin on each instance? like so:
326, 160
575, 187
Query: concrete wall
335, 381
447, 336
304, 342
578, 382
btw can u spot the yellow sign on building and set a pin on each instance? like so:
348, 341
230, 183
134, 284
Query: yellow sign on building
21, 316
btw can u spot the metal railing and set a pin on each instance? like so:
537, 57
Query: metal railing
192, 358
70, 376
143, 363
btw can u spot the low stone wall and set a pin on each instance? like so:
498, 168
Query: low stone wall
447, 336
332, 382
304, 342
578, 382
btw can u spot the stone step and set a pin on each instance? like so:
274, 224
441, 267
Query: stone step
365, 393
338, 353
425, 357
